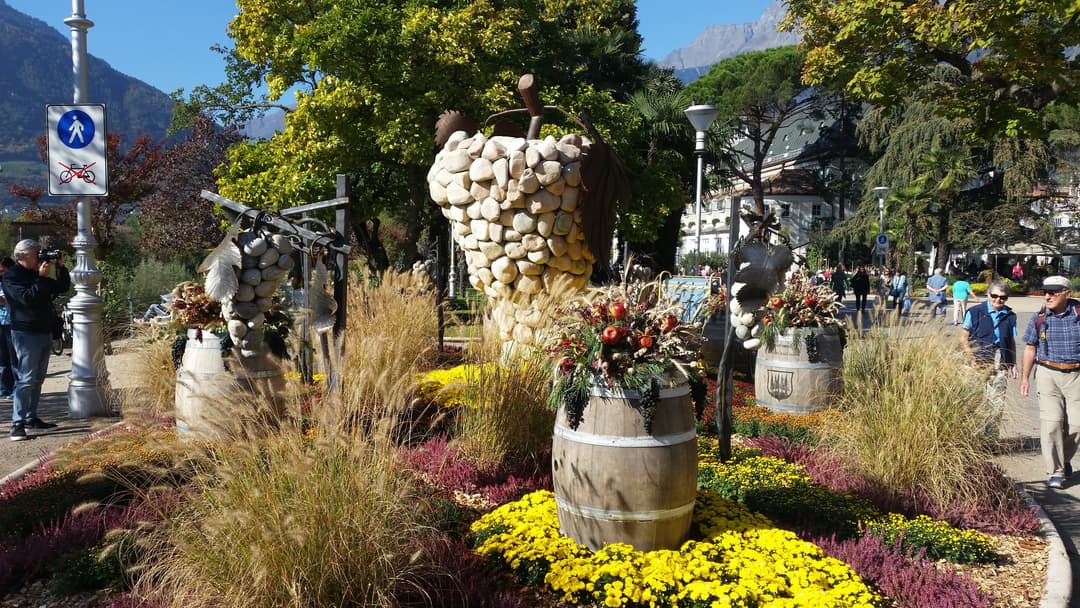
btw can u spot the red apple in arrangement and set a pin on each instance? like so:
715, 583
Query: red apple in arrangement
645, 342
776, 302
612, 334
618, 310
668, 323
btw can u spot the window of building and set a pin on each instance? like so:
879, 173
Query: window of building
815, 211
785, 209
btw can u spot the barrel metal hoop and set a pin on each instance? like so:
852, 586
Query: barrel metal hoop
785, 408
798, 365
618, 393
656, 441
270, 373
612, 515
204, 345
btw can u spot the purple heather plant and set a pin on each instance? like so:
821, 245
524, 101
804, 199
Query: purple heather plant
439, 459
908, 581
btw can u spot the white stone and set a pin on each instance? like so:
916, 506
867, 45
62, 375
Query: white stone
248, 261
556, 187
253, 244
534, 242
569, 199
489, 209
547, 149
497, 192
473, 211
528, 182
444, 177
539, 257
456, 213
548, 172
437, 192
562, 263
544, 223
542, 201
479, 190
529, 267
514, 251
524, 222
491, 250
480, 229
244, 293
533, 157
461, 178
285, 262
567, 153
454, 140
486, 277
580, 267
511, 235
558, 245
273, 274
493, 150
504, 269
477, 145
573, 250
457, 195
264, 304
268, 258
237, 328
481, 170
531, 285
506, 218
457, 161
517, 163
495, 232
251, 276
523, 334
469, 242
500, 169
461, 229
266, 289
475, 281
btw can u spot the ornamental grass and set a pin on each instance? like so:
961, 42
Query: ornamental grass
912, 417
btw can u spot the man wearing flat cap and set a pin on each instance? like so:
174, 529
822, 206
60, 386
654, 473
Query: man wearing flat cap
30, 287
1052, 344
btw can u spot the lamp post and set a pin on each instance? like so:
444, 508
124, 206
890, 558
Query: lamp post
700, 116
881, 191
88, 381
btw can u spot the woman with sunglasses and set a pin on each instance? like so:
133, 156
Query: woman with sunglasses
1052, 341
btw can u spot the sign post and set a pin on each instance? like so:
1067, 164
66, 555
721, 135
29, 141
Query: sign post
76, 141
882, 242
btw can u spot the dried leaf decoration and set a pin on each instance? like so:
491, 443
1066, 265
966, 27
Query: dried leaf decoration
221, 282
323, 305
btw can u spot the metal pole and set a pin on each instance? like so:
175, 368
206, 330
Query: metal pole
881, 224
89, 381
700, 168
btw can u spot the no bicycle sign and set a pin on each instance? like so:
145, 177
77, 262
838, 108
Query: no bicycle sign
76, 136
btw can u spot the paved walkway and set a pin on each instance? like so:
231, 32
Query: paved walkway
1020, 427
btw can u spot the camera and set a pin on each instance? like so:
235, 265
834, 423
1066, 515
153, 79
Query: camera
49, 255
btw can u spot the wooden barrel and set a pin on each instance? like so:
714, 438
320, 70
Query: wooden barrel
616, 482
713, 334
209, 395
797, 378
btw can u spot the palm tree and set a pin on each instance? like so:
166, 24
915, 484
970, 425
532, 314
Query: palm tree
943, 172
911, 203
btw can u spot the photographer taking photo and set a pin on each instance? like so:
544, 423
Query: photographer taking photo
30, 287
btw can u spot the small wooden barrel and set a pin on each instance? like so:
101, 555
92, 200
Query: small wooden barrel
208, 395
713, 334
789, 378
615, 482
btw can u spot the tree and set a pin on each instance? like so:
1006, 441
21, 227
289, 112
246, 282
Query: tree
132, 176
174, 219
757, 94
944, 173
996, 63
366, 111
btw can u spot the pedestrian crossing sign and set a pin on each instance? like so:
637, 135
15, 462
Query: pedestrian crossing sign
77, 150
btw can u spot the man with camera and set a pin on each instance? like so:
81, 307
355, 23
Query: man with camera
30, 287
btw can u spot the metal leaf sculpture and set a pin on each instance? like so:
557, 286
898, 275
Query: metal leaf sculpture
221, 281
323, 305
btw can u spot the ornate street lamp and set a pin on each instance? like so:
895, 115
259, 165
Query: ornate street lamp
701, 116
881, 192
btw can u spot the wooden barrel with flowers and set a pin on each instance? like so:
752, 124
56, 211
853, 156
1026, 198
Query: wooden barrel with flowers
801, 370
620, 480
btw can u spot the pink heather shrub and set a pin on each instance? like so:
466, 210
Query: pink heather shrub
28, 558
32, 478
909, 582
457, 577
1003, 511
439, 460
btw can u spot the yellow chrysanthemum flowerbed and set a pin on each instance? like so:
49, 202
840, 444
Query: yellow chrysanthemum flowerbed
446, 387
741, 560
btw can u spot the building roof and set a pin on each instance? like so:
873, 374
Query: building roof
789, 182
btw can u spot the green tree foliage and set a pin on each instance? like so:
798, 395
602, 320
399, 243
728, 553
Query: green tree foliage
1003, 60
372, 77
757, 94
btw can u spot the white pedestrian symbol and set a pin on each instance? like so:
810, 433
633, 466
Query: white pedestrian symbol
75, 129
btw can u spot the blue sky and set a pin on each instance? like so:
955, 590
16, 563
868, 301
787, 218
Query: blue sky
166, 43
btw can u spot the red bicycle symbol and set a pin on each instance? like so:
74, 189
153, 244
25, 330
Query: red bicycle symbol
84, 173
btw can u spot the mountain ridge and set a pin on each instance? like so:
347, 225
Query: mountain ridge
721, 41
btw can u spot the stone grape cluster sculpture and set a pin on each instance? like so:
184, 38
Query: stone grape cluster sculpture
243, 273
514, 204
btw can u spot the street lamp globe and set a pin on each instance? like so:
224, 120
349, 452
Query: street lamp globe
701, 116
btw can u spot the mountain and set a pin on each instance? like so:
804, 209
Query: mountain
722, 41
37, 71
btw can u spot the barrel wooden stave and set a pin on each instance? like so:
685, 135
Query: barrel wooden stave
786, 381
615, 482
209, 397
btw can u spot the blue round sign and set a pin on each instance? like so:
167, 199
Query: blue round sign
75, 129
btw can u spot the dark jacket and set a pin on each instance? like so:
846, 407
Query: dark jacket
860, 283
30, 295
982, 337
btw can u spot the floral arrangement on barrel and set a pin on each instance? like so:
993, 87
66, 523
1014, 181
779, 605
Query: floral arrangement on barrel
192, 308
801, 304
622, 338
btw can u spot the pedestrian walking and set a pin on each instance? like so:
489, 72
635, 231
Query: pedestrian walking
988, 334
899, 290
961, 291
936, 286
860, 286
839, 282
1052, 342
